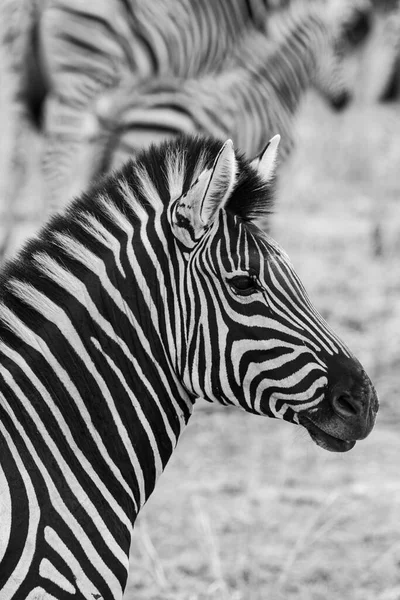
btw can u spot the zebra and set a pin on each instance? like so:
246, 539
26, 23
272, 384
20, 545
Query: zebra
68, 53
153, 289
260, 91
81, 48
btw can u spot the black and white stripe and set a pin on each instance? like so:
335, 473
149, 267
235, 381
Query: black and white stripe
152, 290
258, 93
71, 53
65, 54
86, 47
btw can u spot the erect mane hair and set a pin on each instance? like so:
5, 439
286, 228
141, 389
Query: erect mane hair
251, 197
141, 185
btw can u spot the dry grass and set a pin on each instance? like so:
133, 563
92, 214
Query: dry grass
249, 508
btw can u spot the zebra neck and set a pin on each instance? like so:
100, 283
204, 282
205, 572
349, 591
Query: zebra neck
86, 381
292, 66
90, 405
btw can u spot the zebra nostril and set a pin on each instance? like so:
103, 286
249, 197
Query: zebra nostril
346, 406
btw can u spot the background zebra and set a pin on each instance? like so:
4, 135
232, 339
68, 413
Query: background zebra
66, 54
80, 49
258, 92
154, 289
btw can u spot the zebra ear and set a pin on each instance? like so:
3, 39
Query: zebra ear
195, 211
219, 183
265, 163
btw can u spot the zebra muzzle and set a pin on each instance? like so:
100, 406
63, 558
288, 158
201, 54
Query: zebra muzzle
347, 413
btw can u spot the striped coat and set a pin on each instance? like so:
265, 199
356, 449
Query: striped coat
257, 94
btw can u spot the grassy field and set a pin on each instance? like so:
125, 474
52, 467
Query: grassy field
250, 508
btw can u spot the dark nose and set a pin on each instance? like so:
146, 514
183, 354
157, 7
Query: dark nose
340, 102
353, 399
347, 406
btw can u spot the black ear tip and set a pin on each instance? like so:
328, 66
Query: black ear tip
340, 102
359, 29
266, 147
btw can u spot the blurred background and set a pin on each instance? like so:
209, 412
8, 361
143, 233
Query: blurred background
250, 508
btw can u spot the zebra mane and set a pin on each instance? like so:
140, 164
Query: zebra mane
141, 187
184, 158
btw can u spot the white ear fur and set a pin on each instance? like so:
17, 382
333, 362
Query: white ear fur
221, 180
195, 211
265, 163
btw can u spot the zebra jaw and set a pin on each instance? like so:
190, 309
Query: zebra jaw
325, 440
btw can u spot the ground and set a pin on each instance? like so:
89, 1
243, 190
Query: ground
249, 508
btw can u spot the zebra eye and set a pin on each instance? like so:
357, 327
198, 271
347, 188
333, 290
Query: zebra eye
244, 285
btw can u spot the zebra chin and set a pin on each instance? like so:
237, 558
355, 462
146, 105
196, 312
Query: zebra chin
324, 439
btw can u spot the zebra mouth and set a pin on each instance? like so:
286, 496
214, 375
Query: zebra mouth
324, 439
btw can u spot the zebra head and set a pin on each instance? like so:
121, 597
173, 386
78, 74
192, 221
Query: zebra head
252, 336
346, 24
